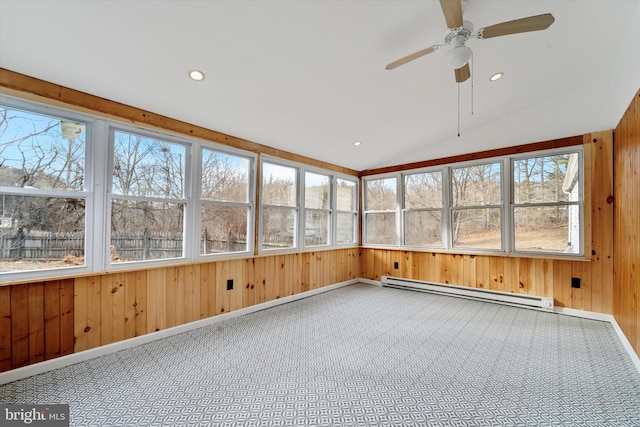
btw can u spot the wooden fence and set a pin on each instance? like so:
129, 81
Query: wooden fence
126, 246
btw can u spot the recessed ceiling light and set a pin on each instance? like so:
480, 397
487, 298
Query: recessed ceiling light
496, 76
356, 143
196, 75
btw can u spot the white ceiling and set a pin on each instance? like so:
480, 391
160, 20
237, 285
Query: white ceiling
309, 76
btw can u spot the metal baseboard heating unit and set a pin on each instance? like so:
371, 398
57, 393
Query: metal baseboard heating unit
527, 301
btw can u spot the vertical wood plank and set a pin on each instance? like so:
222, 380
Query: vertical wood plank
129, 312
116, 302
280, 285
140, 303
19, 326
607, 220
5, 328
558, 288
296, 272
238, 275
192, 292
577, 294
181, 300
445, 268
106, 311
260, 279
249, 287
289, 270
155, 288
524, 278
36, 322
223, 299
204, 291
66, 316
496, 266
511, 275
171, 294
52, 344
483, 272
93, 326
456, 270
211, 289
81, 314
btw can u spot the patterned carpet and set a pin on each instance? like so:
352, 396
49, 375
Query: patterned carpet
359, 356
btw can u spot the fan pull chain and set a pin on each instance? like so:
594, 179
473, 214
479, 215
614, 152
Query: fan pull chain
458, 110
472, 73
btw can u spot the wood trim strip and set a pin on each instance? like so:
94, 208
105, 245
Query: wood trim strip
498, 152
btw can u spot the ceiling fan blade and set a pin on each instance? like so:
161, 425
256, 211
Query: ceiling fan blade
462, 73
452, 10
532, 23
411, 57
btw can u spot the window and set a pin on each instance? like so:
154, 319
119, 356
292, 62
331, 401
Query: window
303, 207
525, 204
476, 204
380, 204
148, 197
225, 198
547, 202
279, 206
317, 206
346, 211
43, 191
423, 209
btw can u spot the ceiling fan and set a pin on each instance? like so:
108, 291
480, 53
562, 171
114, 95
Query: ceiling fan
459, 31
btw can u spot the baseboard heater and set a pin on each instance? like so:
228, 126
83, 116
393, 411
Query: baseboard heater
499, 297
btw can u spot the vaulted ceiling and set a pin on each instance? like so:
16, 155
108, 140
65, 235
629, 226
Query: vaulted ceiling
309, 76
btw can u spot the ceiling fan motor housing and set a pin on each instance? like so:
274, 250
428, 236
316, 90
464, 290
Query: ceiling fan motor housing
459, 54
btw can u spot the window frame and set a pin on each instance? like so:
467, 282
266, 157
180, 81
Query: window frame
301, 209
329, 210
295, 209
87, 194
506, 206
512, 206
186, 201
250, 204
441, 209
353, 212
399, 224
451, 208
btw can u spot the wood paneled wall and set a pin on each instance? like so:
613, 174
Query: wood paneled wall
626, 301
44, 320
533, 276
36, 322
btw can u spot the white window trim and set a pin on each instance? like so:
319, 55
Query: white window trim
199, 202
88, 195
450, 208
330, 210
186, 200
296, 226
440, 209
580, 202
354, 213
300, 210
397, 210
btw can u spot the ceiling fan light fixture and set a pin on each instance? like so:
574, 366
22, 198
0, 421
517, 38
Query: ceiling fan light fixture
458, 56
